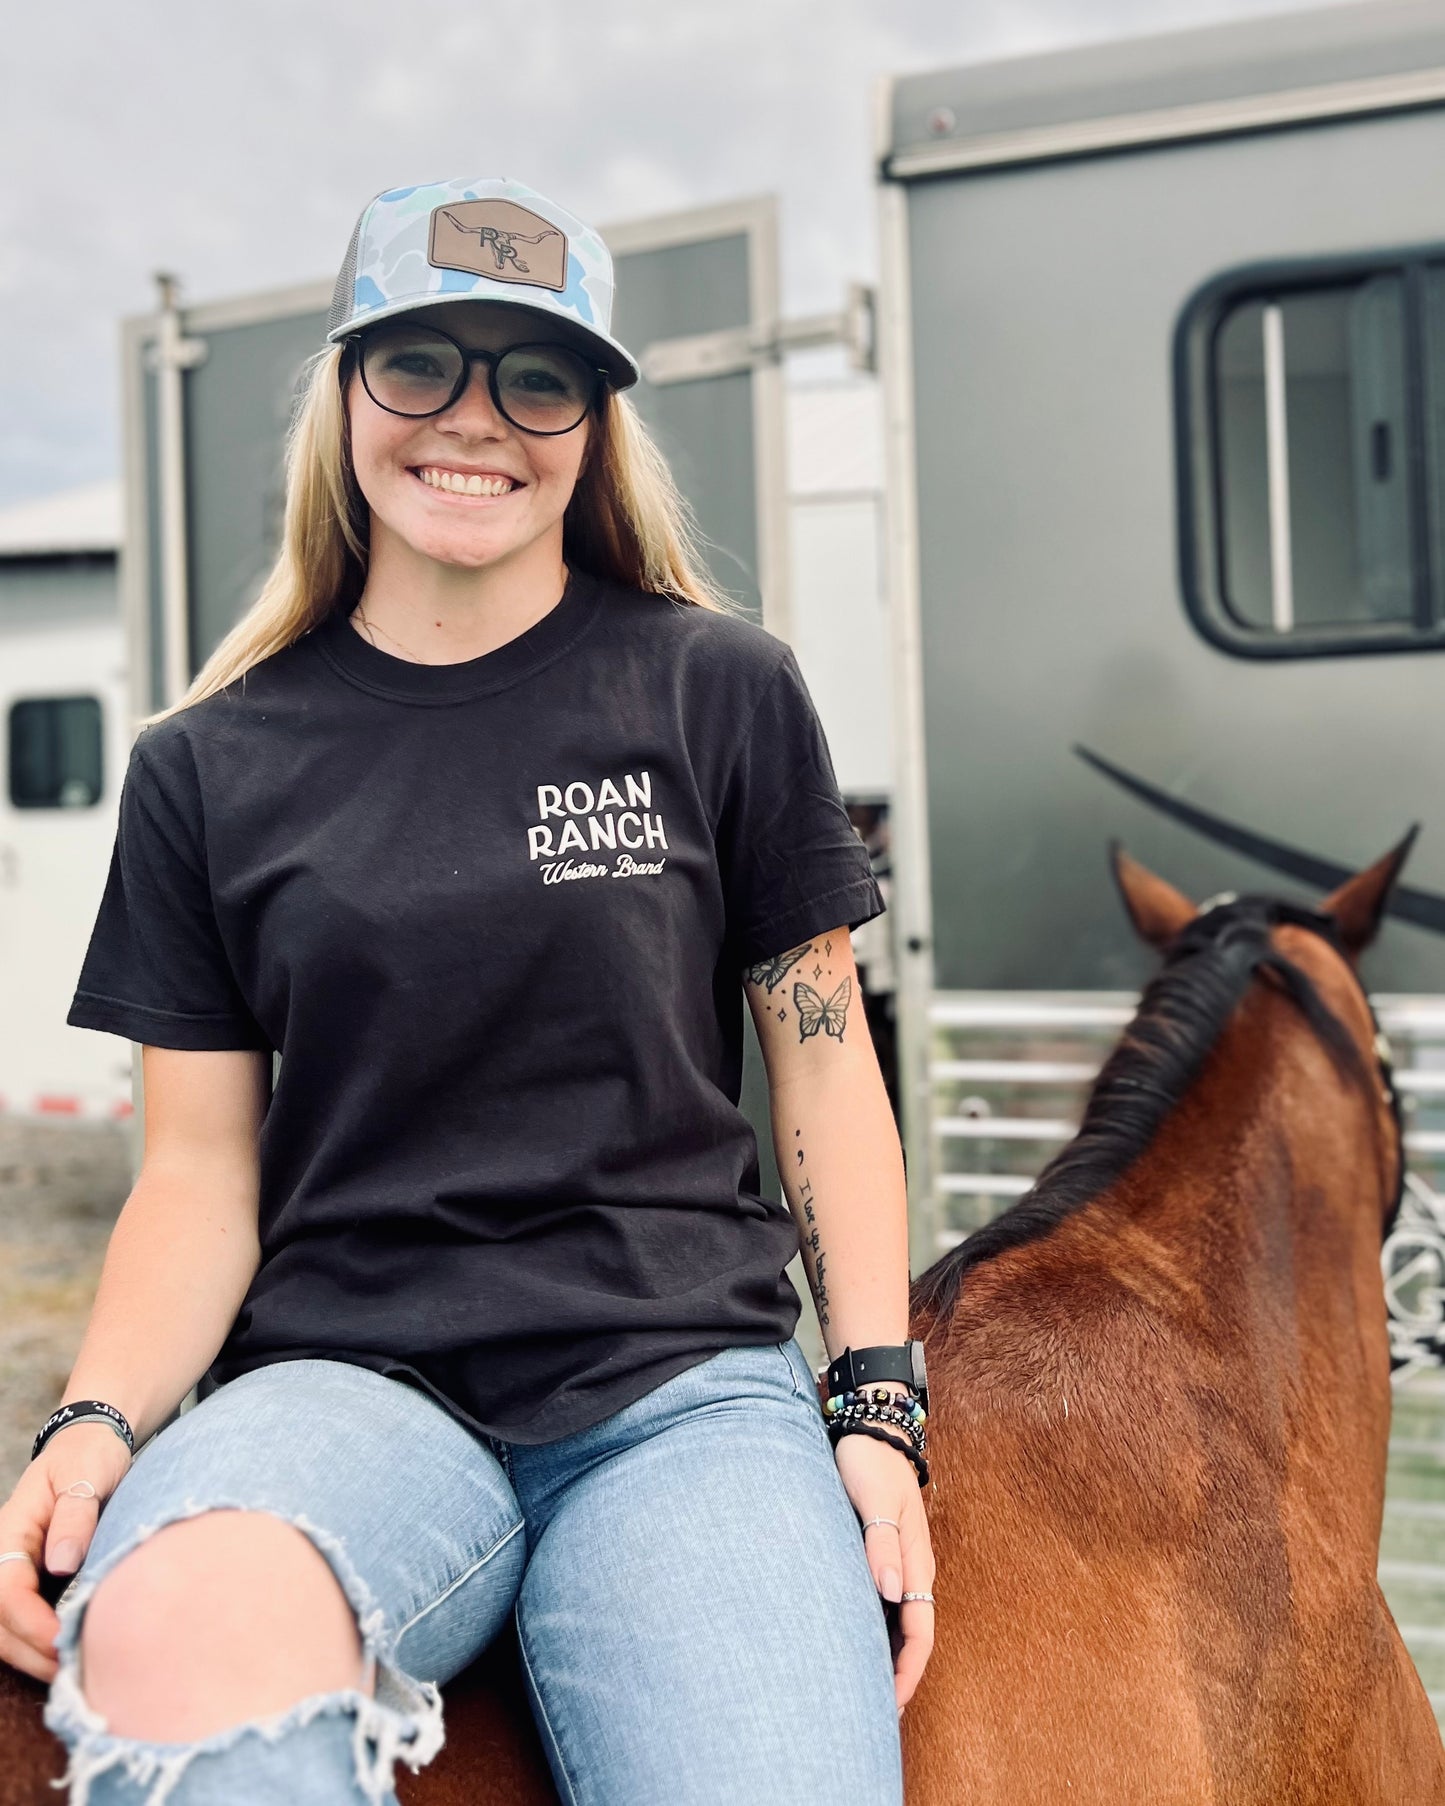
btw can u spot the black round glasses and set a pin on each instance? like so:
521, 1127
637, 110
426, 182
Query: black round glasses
418, 370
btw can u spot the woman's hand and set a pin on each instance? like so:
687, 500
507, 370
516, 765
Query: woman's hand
883, 1483
53, 1525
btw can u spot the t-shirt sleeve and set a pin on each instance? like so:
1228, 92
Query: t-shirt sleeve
156, 969
792, 863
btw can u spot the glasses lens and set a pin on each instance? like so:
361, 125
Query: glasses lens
544, 388
409, 369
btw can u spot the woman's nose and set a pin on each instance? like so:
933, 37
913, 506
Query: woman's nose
475, 406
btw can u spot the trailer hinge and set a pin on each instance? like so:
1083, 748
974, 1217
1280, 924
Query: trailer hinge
738, 348
175, 354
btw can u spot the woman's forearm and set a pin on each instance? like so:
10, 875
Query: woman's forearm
180, 1260
842, 1170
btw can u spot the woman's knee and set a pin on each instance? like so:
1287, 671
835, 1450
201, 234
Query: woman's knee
216, 1618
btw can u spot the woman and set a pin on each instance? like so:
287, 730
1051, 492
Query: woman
483, 814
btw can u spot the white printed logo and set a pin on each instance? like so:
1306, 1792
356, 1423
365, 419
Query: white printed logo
576, 818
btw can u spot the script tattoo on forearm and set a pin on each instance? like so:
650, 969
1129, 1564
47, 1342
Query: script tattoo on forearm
826, 1007
814, 1254
820, 1005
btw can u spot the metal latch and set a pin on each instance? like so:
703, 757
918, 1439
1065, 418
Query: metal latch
171, 350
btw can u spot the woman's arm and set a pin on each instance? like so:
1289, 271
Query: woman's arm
185, 1247
842, 1170
836, 1139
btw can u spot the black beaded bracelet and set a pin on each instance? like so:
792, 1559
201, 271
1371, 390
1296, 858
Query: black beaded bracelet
900, 1420
86, 1410
868, 1429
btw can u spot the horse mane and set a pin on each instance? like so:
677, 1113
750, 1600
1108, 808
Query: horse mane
1182, 1011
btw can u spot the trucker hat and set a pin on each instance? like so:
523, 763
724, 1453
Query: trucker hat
491, 240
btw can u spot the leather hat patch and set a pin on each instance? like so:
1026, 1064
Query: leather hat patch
500, 240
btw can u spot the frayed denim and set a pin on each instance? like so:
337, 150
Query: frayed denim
696, 1618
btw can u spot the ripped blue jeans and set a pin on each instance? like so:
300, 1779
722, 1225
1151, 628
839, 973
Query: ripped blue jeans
696, 1617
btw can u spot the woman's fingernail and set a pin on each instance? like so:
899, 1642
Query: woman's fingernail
66, 1558
892, 1585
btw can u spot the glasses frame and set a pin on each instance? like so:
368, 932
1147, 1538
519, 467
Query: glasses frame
491, 359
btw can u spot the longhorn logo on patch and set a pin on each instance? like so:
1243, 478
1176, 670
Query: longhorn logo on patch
500, 240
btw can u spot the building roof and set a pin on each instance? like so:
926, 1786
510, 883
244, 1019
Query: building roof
83, 519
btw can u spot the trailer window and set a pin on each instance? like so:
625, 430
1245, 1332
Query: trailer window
1311, 458
55, 752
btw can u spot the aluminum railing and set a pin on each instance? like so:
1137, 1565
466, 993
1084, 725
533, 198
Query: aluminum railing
1010, 1071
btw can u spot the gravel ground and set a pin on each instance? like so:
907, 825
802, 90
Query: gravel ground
61, 1187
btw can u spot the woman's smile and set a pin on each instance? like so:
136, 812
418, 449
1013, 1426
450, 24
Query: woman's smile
474, 488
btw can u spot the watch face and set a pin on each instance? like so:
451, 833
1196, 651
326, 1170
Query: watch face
920, 1374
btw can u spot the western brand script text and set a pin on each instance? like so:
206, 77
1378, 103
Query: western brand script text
614, 817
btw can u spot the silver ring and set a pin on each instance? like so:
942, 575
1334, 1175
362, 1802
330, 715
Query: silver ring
880, 1521
17, 1555
927, 1596
74, 1489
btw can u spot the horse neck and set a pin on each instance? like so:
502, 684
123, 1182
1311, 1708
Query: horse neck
1267, 1183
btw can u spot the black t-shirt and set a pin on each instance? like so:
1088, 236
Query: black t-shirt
494, 915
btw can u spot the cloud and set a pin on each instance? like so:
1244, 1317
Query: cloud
235, 145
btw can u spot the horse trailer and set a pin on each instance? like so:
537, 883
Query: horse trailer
67, 739
1162, 339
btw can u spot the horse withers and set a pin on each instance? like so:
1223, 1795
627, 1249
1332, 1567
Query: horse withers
1161, 1405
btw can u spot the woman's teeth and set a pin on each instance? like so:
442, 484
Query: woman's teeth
457, 484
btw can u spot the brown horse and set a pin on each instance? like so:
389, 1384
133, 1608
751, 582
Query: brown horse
1160, 1388
1163, 1402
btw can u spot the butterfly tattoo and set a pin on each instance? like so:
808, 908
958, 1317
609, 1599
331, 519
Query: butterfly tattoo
814, 1011
772, 971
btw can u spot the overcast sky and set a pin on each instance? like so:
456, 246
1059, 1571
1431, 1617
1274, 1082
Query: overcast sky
235, 144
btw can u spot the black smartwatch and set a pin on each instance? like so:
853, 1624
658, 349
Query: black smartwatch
859, 1367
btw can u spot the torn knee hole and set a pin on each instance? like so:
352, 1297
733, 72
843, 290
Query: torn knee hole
377, 1738
216, 1617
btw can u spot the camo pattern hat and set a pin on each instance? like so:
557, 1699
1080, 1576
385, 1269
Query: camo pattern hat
493, 240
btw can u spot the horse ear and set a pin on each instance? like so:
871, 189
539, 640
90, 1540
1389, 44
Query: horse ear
1156, 909
1359, 903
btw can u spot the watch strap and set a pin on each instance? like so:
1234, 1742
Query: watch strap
859, 1367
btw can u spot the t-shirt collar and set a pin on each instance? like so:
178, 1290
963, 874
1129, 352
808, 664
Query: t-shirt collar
364, 664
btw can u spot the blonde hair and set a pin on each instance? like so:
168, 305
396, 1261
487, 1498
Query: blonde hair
626, 521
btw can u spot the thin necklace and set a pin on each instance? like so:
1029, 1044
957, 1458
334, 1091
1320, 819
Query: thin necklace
361, 616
